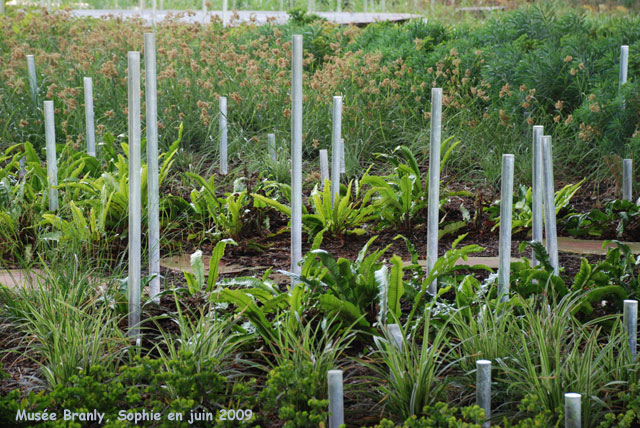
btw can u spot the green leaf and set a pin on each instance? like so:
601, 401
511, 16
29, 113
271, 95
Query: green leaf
345, 310
214, 262
396, 287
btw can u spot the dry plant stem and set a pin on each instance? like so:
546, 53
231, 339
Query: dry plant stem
627, 179
550, 205
483, 389
151, 98
134, 195
572, 410
434, 183
52, 166
336, 147
324, 167
536, 190
89, 116
631, 325
336, 405
506, 206
223, 135
296, 155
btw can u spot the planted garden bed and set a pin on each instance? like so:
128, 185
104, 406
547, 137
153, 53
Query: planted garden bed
272, 278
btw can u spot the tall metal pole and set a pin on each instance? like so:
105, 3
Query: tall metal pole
153, 185
89, 116
506, 206
483, 389
572, 410
134, 195
33, 82
52, 163
296, 154
550, 205
335, 147
537, 186
434, 183
631, 325
627, 179
336, 401
271, 141
223, 135
324, 167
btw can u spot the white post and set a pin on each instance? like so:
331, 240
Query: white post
550, 204
396, 335
624, 65
343, 169
153, 186
335, 147
627, 179
33, 82
134, 195
631, 325
504, 267
204, 11
52, 163
324, 167
434, 183
224, 12
154, 8
271, 141
336, 403
572, 410
537, 189
296, 154
223, 134
141, 6
2, 7
89, 116
281, 5
483, 389
339, 6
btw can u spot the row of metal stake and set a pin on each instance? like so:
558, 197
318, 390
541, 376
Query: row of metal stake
542, 189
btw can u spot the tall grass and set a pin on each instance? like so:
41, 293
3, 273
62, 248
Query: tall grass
63, 322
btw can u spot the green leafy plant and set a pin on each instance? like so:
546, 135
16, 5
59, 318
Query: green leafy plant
441, 415
355, 288
596, 282
412, 375
344, 217
522, 207
401, 198
295, 389
619, 217
196, 280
